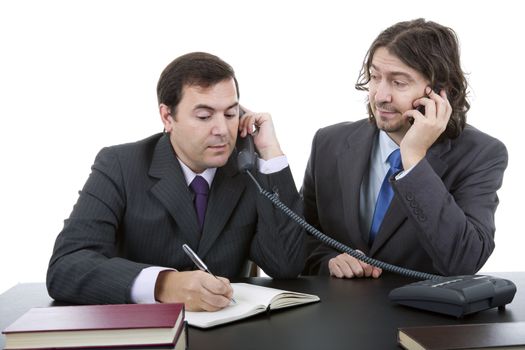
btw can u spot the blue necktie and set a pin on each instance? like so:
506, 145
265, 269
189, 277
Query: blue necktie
386, 193
200, 187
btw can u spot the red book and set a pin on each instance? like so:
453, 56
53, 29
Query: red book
96, 326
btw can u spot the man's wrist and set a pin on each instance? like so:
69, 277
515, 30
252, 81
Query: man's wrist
271, 152
161, 286
272, 165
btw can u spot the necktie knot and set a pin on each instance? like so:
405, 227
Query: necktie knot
199, 185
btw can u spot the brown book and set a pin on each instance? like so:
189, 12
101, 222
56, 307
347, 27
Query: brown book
509, 335
140, 325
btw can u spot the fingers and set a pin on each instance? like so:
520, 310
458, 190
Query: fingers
435, 105
376, 272
260, 126
345, 266
216, 294
250, 122
196, 289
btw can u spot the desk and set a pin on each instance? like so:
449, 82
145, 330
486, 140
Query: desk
352, 314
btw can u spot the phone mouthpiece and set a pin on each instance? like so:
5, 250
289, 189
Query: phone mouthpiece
246, 160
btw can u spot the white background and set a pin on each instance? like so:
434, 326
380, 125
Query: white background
79, 75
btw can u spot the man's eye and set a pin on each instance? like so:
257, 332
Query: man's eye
230, 115
203, 116
399, 84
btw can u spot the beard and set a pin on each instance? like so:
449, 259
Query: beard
390, 125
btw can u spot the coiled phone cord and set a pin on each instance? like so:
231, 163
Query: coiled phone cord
338, 245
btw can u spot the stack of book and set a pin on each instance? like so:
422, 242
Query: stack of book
137, 326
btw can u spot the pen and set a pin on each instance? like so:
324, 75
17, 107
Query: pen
200, 264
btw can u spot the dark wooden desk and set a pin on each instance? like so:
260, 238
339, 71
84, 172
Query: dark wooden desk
352, 314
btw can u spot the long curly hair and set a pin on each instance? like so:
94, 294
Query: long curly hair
432, 50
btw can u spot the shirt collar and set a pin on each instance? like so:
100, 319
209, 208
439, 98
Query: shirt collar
386, 145
189, 174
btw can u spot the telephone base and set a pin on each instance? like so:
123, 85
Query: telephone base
456, 295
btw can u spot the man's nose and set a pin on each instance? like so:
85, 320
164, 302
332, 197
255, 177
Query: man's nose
220, 126
383, 92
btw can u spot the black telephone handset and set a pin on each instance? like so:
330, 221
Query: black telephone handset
246, 155
455, 295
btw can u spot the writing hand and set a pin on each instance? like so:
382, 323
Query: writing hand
198, 290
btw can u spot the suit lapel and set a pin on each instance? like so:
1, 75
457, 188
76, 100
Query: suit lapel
172, 191
225, 192
395, 215
352, 166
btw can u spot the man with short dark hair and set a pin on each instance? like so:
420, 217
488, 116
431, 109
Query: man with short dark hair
413, 185
123, 241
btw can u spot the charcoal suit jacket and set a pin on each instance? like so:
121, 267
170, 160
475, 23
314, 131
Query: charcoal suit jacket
441, 219
136, 211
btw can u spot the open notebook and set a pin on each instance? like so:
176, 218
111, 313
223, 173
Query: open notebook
251, 300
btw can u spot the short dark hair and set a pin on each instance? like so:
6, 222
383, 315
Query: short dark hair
195, 68
432, 50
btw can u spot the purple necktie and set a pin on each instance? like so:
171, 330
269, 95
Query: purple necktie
386, 193
200, 187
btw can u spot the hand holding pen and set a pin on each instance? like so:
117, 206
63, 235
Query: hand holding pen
200, 264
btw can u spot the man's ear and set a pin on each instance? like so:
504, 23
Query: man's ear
166, 117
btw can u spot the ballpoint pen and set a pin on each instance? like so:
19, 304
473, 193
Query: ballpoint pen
200, 264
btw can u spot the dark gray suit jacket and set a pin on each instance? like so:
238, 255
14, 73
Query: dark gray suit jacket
441, 219
136, 211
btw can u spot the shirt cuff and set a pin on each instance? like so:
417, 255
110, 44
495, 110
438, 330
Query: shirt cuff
273, 165
403, 173
143, 288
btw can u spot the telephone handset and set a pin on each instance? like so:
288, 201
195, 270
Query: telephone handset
246, 155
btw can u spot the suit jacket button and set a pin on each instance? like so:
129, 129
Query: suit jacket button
409, 196
422, 217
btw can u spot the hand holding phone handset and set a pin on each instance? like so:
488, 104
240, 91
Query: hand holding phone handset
497, 297
426, 128
260, 127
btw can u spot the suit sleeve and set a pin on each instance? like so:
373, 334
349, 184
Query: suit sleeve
278, 245
455, 221
318, 254
85, 267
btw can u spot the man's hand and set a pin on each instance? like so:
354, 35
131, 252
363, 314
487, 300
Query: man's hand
260, 126
198, 290
345, 266
426, 128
